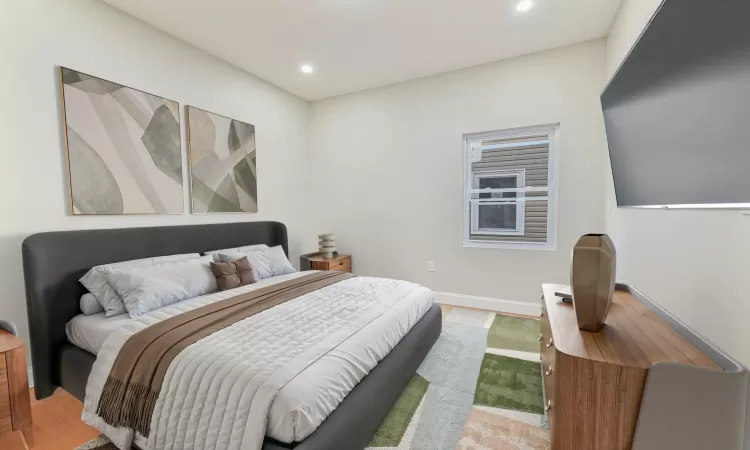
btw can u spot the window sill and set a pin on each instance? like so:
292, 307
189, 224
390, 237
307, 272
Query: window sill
547, 246
498, 233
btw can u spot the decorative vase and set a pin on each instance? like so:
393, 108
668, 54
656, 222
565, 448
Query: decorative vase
592, 280
327, 244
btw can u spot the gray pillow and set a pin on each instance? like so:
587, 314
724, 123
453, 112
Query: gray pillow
266, 263
96, 283
90, 305
278, 262
145, 289
247, 248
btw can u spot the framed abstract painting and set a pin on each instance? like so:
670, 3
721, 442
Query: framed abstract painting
223, 169
123, 148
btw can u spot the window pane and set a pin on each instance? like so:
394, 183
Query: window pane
497, 217
506, 182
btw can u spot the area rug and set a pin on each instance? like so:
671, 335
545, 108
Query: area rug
479, 388
98, 443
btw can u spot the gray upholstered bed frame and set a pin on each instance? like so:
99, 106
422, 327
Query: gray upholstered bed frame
53, 263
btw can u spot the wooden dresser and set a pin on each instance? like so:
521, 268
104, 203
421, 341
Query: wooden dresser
15, 400
340, 262
594, 382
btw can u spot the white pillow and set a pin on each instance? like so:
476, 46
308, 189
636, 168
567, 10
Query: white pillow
278, 261
90, 305
96, 283
247, 248
266, 263
257, 260
145, 289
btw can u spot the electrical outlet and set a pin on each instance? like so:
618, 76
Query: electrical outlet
430, 266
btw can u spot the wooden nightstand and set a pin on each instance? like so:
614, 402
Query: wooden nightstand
340, 262
15, 399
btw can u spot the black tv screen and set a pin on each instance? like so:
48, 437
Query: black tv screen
677, 112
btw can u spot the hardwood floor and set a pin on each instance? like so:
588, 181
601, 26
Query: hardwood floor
13, 440
57, 425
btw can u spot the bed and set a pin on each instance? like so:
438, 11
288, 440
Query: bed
53, 262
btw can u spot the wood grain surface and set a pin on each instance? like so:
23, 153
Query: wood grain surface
57, 423
6, 422
18, 390
9, 342
13, 441
340, 262
633, 335
594, 382
15, 404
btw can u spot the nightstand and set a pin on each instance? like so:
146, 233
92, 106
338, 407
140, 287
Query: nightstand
340, 262
15, 398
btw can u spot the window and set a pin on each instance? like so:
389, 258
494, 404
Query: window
509, 184
497, 212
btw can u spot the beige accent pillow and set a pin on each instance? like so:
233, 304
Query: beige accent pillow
233, 274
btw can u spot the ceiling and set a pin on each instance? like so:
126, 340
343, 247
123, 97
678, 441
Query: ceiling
360, 44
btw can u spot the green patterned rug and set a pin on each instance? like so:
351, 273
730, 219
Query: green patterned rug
479, 388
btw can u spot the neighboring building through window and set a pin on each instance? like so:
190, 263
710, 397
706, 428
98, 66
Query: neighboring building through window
509, 189
496, 217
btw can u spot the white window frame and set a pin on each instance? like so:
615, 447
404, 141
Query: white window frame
552, 131
520, 176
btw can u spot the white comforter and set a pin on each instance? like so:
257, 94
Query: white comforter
280, 372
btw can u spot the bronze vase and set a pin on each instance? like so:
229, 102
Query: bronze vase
592, 280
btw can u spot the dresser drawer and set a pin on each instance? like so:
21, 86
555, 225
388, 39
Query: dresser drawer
546, 343
5, 417
342, 265
549, 410
547, 353
545, 326
548, 373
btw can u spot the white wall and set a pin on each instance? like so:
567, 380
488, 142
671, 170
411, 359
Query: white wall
627, 26
36, 36
694, 263
388, 167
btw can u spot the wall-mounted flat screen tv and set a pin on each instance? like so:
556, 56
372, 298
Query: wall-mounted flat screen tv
677, 112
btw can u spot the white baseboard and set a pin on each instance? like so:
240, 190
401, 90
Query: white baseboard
490, 304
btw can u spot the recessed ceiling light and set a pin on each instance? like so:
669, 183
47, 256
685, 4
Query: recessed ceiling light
307, 69
524, 5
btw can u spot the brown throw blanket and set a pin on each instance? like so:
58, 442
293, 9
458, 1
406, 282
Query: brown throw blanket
133, 385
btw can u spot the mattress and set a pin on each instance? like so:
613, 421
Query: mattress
90, 332
303, 403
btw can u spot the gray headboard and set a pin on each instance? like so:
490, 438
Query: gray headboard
53, 262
